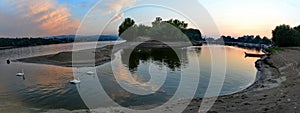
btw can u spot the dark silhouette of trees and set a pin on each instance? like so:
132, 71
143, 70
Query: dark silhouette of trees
257, 40
285, 36
244, 39
25, 42
125, 25
266, 41
169, 30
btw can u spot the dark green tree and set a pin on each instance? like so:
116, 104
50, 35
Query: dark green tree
157, 21
266, 40
285, 36
128, 22
257, 40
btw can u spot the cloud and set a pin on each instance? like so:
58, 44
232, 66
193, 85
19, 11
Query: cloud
37, 18
114, 6
117, 18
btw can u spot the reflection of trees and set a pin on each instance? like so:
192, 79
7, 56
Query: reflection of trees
160, 56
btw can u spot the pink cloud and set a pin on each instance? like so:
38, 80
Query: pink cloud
117, 18
114, 6
41, 18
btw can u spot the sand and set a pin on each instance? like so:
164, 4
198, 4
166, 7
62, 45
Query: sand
90, 57
276, 91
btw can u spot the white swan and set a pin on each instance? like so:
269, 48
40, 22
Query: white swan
75, 81
90, 72
20, 73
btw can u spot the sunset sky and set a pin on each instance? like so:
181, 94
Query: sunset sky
33, 18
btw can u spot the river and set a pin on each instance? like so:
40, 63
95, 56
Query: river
47, 87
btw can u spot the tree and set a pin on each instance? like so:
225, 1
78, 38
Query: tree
297, 28
165, 30
128, 22
157, 21
266, 40
257, 40
285, 36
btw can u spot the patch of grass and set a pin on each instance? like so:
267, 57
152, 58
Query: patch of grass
274, 49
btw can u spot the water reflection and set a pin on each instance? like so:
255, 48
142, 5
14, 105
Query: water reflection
160, 56
136, 69
47, 87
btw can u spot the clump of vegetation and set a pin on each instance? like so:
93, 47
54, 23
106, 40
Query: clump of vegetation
169, 30
246, 39
286, 36
25, 42
274, 49
7, 43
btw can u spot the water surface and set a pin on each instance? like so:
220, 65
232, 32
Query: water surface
46, 87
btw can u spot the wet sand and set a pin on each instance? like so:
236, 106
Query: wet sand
90, 57
276, 90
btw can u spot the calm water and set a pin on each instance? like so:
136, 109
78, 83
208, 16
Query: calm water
46, 87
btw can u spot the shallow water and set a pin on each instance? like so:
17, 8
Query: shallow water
46, 87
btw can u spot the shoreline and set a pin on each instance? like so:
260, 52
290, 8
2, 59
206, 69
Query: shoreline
269, 93
276, 90
97, 57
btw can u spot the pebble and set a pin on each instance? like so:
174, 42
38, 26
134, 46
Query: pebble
288, 99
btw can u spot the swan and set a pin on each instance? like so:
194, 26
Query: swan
90, 72
75, 81
20, 73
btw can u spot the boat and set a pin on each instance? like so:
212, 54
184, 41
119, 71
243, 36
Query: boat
75, 81
20, 73
253, 55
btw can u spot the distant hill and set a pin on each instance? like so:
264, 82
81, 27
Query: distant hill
86, 38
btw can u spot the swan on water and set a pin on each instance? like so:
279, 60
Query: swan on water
90, 72
75, 81
20, 73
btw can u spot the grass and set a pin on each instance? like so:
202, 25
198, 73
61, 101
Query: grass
274, 49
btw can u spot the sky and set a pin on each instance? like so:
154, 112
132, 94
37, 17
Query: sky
34, 18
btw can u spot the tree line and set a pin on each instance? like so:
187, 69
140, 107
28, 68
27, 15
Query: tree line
25, 42
244, 39
170, 30
286, 36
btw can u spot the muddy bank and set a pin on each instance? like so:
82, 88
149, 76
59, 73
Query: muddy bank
90, 57
276, 90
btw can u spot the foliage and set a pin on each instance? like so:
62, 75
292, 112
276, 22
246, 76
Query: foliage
125, 25
245, 39
285, 36
24, 42
169, 30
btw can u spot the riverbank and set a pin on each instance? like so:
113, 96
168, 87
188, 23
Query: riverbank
276, 90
